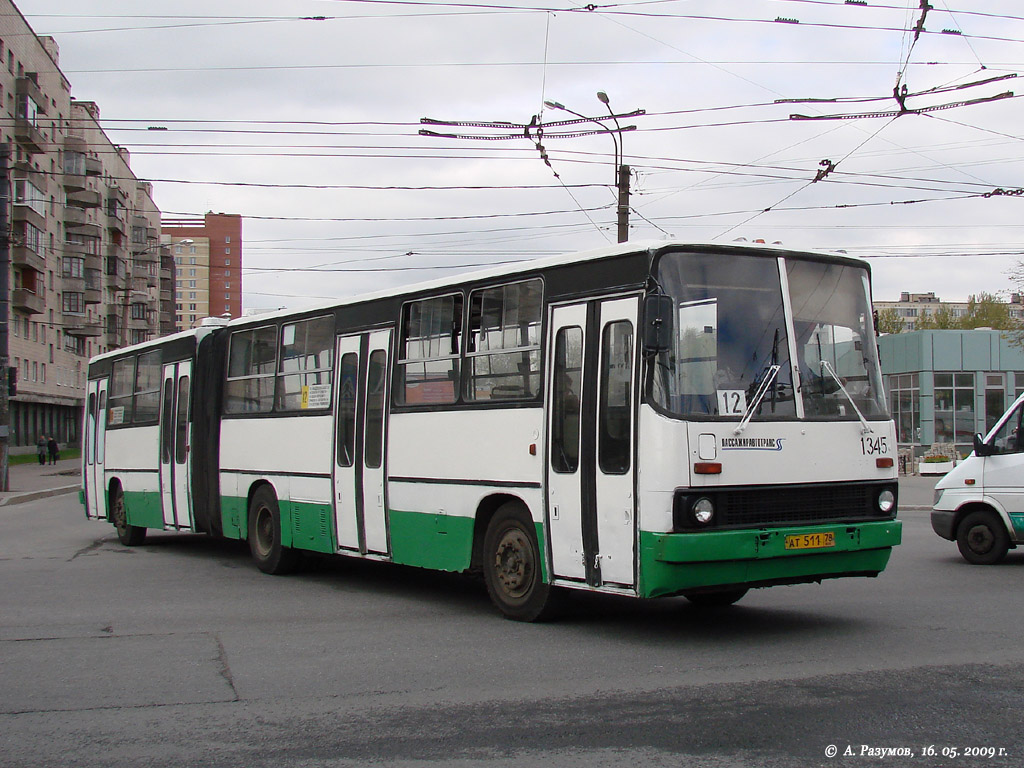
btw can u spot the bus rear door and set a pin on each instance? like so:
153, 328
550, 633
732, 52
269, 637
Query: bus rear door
95, 450
175, 446
591, 472
360, 503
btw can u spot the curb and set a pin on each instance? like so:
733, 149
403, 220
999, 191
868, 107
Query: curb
21, 498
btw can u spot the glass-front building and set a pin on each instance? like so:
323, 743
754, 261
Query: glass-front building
944, 386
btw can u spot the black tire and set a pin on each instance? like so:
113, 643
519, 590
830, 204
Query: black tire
981, 538
716, 599
129, 535
265, 535
512, 566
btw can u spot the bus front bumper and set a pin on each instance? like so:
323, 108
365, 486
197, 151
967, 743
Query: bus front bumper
672, 563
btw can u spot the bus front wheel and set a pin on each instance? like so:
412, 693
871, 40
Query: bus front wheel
512, 566
265, 535
129, 535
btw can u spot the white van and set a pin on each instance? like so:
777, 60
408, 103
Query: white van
980, 503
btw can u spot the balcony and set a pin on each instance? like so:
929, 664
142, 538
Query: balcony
27, 301
72, 181
79, 250
26, 257
93, 166
28, 87
24, 170
28, 136
22, 212
76, 284
115, 219
75, 221
93, 286
85, 198
75, 325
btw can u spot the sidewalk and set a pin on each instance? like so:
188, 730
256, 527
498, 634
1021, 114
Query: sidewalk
28, 482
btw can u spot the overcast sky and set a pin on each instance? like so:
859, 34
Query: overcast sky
309, 129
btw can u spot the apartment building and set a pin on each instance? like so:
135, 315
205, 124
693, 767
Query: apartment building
207, 257
913, 306
84, 255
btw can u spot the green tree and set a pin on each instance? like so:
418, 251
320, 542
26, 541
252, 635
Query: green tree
987, 311
889, 321
939, 320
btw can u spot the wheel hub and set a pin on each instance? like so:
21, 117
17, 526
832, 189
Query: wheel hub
513, 563
981, 539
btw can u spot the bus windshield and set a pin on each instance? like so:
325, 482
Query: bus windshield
733, 338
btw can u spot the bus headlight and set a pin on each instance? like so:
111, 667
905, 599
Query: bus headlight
703, 511
886, 501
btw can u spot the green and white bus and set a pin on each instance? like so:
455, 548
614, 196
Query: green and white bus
649, 420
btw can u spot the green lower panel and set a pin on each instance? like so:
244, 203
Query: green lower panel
674, 562
441, 542
309, 526
233, 517
143, 509
1018, 526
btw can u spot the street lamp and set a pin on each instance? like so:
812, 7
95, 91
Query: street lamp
621, 170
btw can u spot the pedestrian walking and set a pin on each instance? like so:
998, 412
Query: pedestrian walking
41, 449
53, 449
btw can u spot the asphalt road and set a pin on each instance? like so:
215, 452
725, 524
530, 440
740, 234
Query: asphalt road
180, 653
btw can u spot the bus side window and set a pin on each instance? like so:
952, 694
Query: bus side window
181, 421
165, 427
346, 450
375, 380
565, 417
90, 432
615, 414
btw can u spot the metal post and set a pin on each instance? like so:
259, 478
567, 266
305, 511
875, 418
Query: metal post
623, 207
5, 306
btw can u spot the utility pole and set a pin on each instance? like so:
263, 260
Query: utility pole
5, 312
507, 130
623, 208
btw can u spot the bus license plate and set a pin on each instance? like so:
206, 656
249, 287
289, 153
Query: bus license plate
811, 541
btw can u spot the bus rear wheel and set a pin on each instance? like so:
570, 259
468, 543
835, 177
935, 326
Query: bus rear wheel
265, 535
982, 538
129, 535
717, 599
512, 566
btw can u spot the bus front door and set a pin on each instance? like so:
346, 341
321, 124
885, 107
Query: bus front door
591, 423
95, 450
360, 426
175, 446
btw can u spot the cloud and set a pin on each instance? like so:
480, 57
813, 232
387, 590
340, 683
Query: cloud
336, 104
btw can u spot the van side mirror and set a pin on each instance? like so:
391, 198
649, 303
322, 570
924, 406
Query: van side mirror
981, 448
657, 333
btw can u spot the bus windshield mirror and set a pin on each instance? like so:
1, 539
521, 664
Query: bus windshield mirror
658, 310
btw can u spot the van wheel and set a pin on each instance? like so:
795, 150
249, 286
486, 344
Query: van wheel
129, 535
982, 538
265, 535
512, 566
717, 599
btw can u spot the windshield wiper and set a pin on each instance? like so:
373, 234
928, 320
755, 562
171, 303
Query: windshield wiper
827, 368
762, 390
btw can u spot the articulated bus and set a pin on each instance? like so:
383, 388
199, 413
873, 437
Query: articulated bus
650, 420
